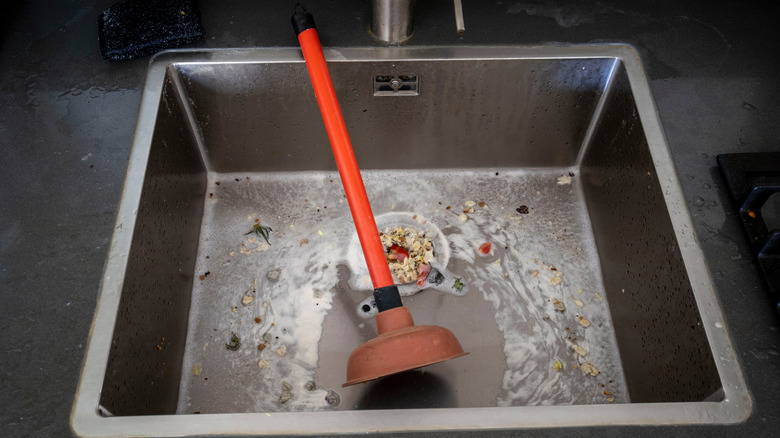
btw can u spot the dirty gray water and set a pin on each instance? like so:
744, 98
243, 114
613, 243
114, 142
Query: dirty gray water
535, 317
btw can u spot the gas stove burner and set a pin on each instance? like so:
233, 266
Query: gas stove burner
753, 179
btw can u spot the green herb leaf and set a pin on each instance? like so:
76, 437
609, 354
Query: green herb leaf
234, 342
458, 286
261, 231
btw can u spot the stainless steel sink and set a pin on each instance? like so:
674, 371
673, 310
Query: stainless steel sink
594, 307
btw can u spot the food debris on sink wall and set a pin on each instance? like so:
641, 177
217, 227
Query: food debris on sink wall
564, 180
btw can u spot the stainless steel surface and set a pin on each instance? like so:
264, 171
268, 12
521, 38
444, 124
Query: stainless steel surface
460, 25
147, 347
391, 20
498, 125
645, 278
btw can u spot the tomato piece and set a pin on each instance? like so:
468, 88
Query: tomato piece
485, 248
397, 253
422, 273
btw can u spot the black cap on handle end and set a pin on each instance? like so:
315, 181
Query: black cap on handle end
302, 20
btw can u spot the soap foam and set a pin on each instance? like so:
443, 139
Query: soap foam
310, 208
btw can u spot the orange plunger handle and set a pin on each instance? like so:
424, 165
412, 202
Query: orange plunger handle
357, 198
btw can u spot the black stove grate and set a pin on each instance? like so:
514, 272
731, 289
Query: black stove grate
753, 179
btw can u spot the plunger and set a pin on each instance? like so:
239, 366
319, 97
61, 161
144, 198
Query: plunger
400, 345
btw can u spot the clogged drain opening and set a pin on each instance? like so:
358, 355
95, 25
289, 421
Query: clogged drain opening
417, 253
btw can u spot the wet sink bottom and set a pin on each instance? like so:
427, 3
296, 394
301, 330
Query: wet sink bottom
300, 284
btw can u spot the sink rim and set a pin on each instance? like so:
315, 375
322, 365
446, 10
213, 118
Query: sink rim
736, 405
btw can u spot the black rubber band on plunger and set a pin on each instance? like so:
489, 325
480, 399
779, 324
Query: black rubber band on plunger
302, 19
387, 298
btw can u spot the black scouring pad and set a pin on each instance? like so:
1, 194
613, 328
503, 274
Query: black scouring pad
133, 28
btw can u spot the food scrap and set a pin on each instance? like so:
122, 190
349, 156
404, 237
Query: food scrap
196, 369
583, 322
589, 369
261, 231
252, 243
579, 303
234, 342
579, 350
407, 249
523, 209
423, 271
273, 274
485, 248
557, 278
262, 364
458, 286
535, 273
557, 366
247, 300
281, 351
564, 180
558, 304
397, 253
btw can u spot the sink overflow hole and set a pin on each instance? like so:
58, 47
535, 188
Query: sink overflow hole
401, 85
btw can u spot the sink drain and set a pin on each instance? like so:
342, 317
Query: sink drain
438, 277
360, 279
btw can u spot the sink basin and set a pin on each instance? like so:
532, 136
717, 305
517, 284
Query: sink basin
593, 307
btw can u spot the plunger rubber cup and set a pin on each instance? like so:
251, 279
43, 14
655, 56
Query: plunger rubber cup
400, 346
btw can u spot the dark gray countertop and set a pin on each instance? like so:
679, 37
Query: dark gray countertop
67, 119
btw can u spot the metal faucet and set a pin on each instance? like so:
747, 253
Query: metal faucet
392, 22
